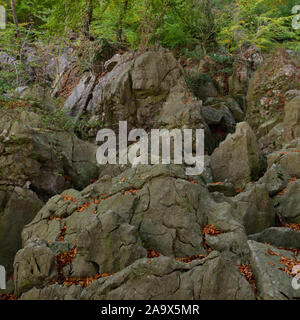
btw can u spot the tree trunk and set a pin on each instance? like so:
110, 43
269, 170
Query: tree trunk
88, 17
120, 23
15, 18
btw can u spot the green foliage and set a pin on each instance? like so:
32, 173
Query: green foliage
265, 23
184, 24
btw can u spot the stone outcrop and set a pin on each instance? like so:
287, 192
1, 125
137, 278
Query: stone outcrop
238, 158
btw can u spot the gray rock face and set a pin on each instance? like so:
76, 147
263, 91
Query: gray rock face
274, 139
159, 279
53, 292
147, 90
39, 97
278, 237
227, 188
21, 207
288, 204
135, 88
79, 98
217, 115
35, 163
111, 220
272, 283
34, 266
162, 278
255, 208
288, 158
276, 179
139, 209
238, 158
40, 157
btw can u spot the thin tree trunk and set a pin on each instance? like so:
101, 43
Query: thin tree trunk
88, 17
15, 18
120, 23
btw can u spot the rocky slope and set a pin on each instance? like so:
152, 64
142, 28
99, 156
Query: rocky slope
70, 229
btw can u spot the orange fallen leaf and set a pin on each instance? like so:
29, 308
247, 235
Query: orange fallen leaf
272, 253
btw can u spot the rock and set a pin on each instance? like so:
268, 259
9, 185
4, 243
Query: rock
35, 164
159, 279
292, 119
34, 266
146, 90
238, 158
247, 59
219, 115
266, 96
58, 65
278, 237
162, 278
206, 175
111, 220
288, 158
78, 100
53, 292
124, 213
272, 283
291, 94
136, 88
266, 127
227, 188
49, 160
183, 111
273, 140
288, 204
21, 207
255, 209
276, 179
232, 244
235, 109
40, 97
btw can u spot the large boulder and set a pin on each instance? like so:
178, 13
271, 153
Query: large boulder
255, 208
278, 237
46, 159
35, 163
160, 279
35, 266
17, 209
272, 269
269, 85
111, 222
238, 158
147, 90
288, 158
275, 179
287, 202
135, 88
